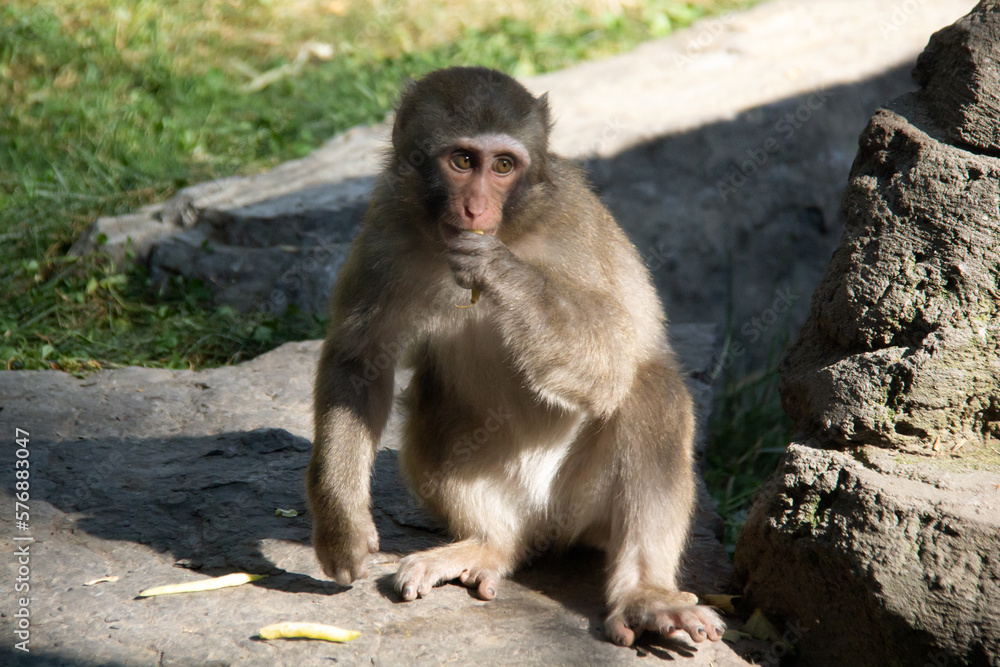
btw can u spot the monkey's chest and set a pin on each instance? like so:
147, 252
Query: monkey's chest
476, 371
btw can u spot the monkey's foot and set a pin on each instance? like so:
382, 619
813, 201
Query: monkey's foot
663, 611
471, 562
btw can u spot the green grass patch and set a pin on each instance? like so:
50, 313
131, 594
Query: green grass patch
747, 436
107, 105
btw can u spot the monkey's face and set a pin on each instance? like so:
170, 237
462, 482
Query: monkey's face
480, 175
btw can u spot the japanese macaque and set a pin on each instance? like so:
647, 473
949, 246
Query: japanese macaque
550, 412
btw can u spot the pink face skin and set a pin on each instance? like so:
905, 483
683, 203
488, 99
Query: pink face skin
480, 172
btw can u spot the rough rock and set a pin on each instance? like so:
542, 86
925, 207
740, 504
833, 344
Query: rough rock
722, 150
959, 76
903, 346
877, 559
136, 472
878, 536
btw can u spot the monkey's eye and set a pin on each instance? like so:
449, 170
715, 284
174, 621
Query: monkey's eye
462, 161
503, 165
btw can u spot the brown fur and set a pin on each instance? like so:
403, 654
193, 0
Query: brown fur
549, 413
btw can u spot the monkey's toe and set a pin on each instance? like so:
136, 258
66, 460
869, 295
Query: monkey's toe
662, 611
472, 564
486, 583
618, 631
698, 621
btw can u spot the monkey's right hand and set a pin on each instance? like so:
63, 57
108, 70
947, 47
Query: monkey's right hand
342, 548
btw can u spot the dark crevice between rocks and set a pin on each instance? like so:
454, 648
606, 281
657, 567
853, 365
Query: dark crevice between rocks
907, 429
981, 151
826, 500
989, 418
913, 333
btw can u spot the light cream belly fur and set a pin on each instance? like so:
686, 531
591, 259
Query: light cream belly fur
507, 467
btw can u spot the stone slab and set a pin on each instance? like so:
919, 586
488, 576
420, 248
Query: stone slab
158, 476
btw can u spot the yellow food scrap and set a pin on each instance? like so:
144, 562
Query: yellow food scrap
723, 602
307, 631
733, 636
474, 296
286, 513
102, 580
759, 627
226, 581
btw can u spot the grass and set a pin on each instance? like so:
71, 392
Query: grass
107, 105
747, 435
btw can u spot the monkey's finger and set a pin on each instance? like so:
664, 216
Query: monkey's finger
715, 632
457, 260
409, 592
464, 278
344, 576
473, 244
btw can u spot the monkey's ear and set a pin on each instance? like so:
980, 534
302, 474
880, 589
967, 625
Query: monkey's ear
542, 104
407, 86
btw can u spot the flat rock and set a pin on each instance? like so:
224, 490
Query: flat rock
157, 476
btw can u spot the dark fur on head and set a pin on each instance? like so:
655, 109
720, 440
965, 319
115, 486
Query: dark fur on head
467, 101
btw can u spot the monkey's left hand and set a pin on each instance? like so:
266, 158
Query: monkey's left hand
480, 261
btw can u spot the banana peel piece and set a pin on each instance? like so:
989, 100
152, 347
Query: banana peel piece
290, 630
226, 581
722, 602
474, 296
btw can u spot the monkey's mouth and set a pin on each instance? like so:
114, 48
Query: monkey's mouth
450, 230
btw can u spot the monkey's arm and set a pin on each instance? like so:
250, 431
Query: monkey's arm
353, 396
573, 339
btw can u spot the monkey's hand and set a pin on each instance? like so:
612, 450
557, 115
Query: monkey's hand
342, 547
480, 260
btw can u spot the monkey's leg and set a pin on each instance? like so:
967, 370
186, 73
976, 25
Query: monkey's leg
480, 510
653, 496
461, 480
